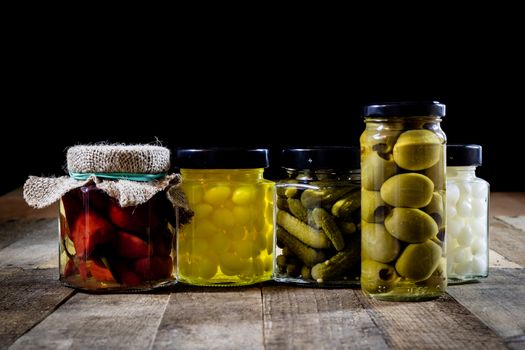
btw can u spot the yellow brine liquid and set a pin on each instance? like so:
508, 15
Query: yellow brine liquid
229, 240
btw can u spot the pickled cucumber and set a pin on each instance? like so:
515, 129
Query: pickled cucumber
330, 228
344, 207
321, 198
338, 266
306, 234
306, 254
296, 208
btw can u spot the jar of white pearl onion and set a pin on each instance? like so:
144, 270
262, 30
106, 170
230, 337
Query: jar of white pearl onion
467, 215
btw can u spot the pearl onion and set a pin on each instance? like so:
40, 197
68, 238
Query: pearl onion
462, 255
454, 226
465, 236
464, 208
452, 194
479, 246
464, 268
479, 265
479, 190
479, 208
451, 211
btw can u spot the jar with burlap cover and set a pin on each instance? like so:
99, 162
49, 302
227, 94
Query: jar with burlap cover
119, 208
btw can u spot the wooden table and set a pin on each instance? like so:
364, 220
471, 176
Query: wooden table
37, 312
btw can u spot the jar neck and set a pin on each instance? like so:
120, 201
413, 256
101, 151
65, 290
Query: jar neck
223, 174
323, 174
464, 172
403, 123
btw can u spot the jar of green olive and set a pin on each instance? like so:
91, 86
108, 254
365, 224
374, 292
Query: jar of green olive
403, 197
318, 217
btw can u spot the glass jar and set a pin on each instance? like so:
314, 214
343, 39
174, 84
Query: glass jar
116, 218
403, 197
467, 215
104, 246
318, 217
229, 241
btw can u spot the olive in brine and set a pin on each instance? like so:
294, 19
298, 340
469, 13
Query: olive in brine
436, 173
435, 208
377, 277
373, 207
411, 225
375, 170
419, 261
417, 149
382, 142
410, 190
378, 244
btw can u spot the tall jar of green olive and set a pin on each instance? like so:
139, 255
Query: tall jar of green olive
403, 197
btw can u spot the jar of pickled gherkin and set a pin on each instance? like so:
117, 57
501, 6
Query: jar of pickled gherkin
229, 241
117, 211
467, 215
403, 201
318, 217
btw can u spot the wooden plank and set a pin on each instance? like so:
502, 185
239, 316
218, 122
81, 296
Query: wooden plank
437, 324
29, 243
499, 261
14, 207
507, 241
515, 221
27, 297
309, 318
86, 321
498, 300
212, 318
507, 203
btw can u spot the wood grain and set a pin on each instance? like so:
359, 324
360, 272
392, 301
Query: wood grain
27, 297
28, 243
308, 318
13, 207
499, 300
207, 318
507, 203
507, 241
86, 321
437, 324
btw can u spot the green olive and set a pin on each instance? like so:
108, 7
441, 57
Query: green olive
375, 170
378, 244
419, 261
410, 190
436, 173
381, 141
438, 278
377, 277
435, 208
411, 225
373, 207
417, 149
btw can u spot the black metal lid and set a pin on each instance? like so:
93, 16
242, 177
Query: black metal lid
339, 158
405, 109
221, 158
463, 155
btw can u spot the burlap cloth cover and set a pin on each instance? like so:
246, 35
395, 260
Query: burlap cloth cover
94, 162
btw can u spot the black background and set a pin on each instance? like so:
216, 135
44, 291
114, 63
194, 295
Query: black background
255, 89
